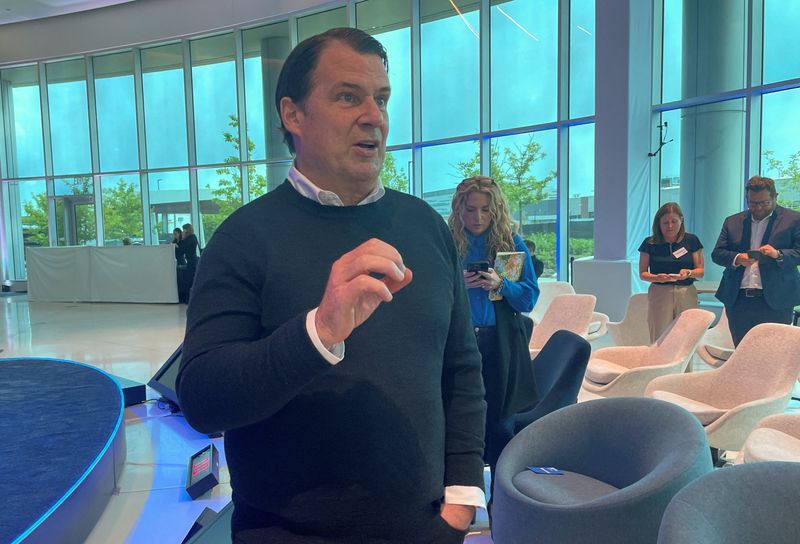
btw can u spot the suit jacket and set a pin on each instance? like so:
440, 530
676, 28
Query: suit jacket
780, 279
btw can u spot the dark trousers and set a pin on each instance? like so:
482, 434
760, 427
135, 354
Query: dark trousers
499, 430
747, 312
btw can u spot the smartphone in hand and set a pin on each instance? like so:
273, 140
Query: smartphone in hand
755, 254
478, 266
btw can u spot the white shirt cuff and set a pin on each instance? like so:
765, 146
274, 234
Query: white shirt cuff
336, 353
465, 495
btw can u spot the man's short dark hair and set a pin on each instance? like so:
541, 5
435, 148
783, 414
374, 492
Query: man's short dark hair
759, 183
294, 80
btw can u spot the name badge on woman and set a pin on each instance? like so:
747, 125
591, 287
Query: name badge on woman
680, 252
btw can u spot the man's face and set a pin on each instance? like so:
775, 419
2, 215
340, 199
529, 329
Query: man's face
760, 203
340, 129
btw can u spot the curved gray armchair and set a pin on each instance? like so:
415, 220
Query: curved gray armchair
742, 504
623, 459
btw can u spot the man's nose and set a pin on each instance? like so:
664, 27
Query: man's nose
371, 113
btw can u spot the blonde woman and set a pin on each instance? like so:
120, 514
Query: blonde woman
481, 228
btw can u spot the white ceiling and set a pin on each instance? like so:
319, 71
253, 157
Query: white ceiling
14, 11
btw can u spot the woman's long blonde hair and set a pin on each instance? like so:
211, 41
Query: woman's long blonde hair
500, 234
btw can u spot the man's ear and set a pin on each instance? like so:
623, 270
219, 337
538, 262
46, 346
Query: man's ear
291, 115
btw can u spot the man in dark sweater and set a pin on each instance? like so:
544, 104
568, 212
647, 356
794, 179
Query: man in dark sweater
349, 389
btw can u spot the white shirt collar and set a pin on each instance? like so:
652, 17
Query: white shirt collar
308, 189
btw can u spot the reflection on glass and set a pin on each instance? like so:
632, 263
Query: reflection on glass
712, 51
581, 58
781, 40
524, 165
116, 112
122, 209
311, 25
216, 121
169, 203
24, 107
69, 117
27, 209
396, 171
75, 219
389, 22
780, 144
524, 62
265, 49
164, 106
450, 68
220, 194
443, 167
581, 191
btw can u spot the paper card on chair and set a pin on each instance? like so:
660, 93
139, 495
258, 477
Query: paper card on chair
545, 470
508, 264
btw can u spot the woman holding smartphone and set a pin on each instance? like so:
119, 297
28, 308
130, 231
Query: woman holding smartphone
671, 259
481, 228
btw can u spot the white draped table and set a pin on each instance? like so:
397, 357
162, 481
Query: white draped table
102, 274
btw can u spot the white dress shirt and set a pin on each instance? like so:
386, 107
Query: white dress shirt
752, 273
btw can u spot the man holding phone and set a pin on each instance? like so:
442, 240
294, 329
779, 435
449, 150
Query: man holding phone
760, 250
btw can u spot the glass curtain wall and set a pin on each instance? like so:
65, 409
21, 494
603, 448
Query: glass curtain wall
729, 106
134, 143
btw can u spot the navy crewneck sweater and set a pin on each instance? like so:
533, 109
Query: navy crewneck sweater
362, 447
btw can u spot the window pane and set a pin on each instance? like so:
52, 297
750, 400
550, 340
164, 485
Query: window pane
524, 165
704, 48
69, 117
389, 22
215, 109
122, 209
581, 191
164, 106
780, 144
116, 112
311, 25
24, 121
169, 203
781, 40
702, 169
443, 167
75, 219
397, 168
524, 35
27, 207
220, 194
450, 82
265, 49
266, 177
581, 58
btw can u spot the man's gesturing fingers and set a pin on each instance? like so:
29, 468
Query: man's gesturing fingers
353, 291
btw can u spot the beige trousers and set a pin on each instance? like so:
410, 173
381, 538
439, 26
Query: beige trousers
665, 303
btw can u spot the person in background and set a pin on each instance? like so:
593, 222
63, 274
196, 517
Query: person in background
177, 236
760, 250
126, 241
481, 228
538, 265
348, 388
186, 253
671, 259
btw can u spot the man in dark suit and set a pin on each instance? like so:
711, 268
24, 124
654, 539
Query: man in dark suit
760, 250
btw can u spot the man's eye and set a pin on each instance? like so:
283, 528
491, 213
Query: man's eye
381, 101
347, 97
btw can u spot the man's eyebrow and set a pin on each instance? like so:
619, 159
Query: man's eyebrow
357, 87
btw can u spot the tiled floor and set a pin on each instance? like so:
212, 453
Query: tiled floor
132, 341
